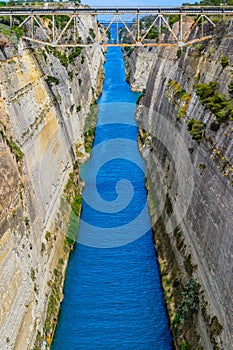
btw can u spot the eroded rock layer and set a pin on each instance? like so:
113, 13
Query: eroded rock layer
186, 138
45, 96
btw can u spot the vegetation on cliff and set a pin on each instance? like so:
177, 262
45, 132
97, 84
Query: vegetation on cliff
202, 74
218, 103
89, 128
178, 96
44, 236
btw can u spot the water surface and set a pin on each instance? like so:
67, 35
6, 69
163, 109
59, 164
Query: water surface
113, 298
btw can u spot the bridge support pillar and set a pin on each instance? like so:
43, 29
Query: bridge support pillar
117, 30
181, 28
138, 22
160, 29
32, 22
53, 28
202, 26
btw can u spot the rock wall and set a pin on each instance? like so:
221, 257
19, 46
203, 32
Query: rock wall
189, 171
138, 63
44, 101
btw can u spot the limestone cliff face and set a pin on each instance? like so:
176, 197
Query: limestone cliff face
190, 177
137, 66
43, 105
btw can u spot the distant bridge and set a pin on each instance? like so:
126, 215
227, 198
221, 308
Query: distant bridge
61, 26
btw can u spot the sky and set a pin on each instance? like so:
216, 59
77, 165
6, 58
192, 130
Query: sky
136, 2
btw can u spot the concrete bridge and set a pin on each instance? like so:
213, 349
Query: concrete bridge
40, 24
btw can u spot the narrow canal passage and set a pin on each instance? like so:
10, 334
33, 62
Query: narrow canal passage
113, 298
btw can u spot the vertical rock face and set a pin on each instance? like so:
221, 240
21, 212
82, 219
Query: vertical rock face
190, 177
43, 105
138, 65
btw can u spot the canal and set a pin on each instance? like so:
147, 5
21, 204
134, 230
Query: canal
113, 298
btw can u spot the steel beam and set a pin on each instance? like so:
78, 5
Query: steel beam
54, 36
143, 10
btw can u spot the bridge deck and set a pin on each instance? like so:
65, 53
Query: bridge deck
187, 10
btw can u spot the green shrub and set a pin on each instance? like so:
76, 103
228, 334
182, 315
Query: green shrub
179, 96
42, 248
75, 53
69, 242
76, 203
78, 108
224, 61
185, 345
176, 88
18, 31
52, 80
47, 235
204, 91
200, 47
26, 220
91, 33
62, 20
220, 104
153, 34
190, 299
71, 74
173, 19
53, 303
61, 261
33, 274
182, 111
201, 167
216, 327
15, 149
230, 87
185, 96
178, 52
196, 129
177, 319
130, 51
62, 57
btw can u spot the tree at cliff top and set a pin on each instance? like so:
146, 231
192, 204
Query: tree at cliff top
212, 3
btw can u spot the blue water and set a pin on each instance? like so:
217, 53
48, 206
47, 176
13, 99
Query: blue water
113, 298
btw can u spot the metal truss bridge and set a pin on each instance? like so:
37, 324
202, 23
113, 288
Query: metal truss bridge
62, 26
